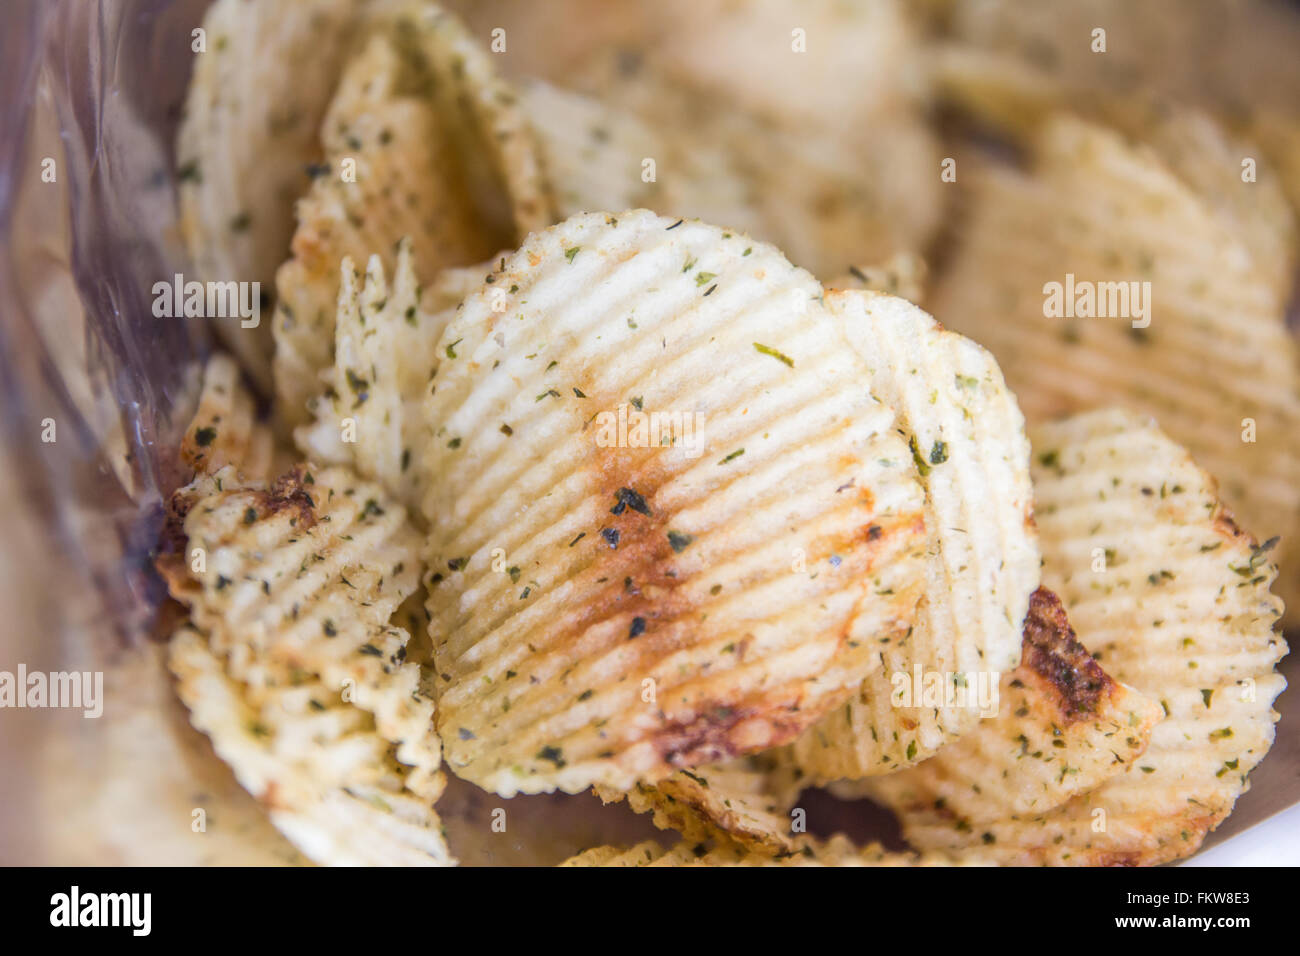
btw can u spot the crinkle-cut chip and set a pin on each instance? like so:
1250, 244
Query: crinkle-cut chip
423, 141
1062, 726
247, 138
746, 800
1011, 61
1161, 809
1206, 155
1174, 599
825, 61
967, 437
1231, 55
392, 170
670, 522
1279, 134
592, 152
326, 781
1113, 491
902, 275
805, 851
225, 430
369, 416
1209, 159
299, 581
997, 91
829, 201
483, 113
1214, 362
600, 156
822, 199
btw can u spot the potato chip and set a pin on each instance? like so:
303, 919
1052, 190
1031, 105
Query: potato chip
1210, 160
807, 851
225, 430
966, 434
545, 41
482, 111
347, 806
1100, 277
1225, 169
592, 152
1174, 599
391, 172
369, 416
1279, 135
829, 201
833, 63
670, 523
902, 275
825, 199
422, 141
1063, 726
247, 137
300, 580
746, 801
1230, 57
601, 156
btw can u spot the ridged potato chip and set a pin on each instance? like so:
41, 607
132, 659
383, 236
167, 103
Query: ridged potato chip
821, 196
746, 801
1224, 167
1173, 598
591, 151
390, 172
1209, 159
247, 137
329, 785
833, 63
1100, 277
966, 434
300, 580
422, 141
225, 430
1063, 726
670, 524
902, 275
1016, 60
830, 200
369, 415
601, 156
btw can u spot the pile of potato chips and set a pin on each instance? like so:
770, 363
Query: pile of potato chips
610, 447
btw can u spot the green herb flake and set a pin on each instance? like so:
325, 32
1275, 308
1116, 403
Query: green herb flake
779, 356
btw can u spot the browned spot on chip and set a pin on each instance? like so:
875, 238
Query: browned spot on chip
1051, 651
